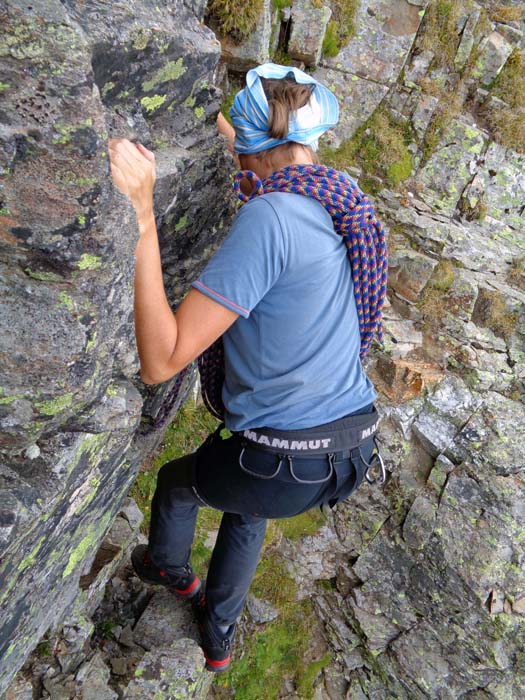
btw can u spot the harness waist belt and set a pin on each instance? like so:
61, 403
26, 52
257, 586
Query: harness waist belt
343, 434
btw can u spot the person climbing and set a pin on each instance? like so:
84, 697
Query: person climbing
281, 318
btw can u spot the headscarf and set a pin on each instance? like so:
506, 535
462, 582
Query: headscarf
250, 111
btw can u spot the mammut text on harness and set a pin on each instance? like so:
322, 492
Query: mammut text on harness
343, 435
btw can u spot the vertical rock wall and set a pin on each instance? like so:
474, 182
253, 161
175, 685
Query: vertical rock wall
71, 434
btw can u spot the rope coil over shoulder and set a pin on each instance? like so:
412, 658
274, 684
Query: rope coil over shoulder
354, 218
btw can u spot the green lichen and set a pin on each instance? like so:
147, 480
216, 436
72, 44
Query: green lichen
89, 262
91, 342
43, 276
181, 223
4, 86
6, 400
65, 131
171, 71
54, 406
189, 102
89, 541
199, 112
66, 300
140, 39
150, 104
112, 390
107, 87
90, 446
31, 557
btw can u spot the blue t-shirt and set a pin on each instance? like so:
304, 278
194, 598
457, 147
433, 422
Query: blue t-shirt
292, 357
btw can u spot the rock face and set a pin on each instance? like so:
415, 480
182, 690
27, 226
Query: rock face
428, 584
70, 408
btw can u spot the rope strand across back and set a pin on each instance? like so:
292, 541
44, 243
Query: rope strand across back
354, 219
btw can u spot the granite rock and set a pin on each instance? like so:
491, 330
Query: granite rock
70, 403
309, 23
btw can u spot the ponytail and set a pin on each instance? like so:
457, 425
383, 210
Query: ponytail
285, 97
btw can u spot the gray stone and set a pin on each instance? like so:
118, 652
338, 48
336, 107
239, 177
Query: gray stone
468, 38
419, 523
312, 557
409, 272
20, 689
502, 181
492, 56
449, 168
93, 678
308, 28
423, 113
255, 49
261, 611
119, 665
165, 619
418, 67
72, 645
358, 98
171, 673
385, 32
75, 75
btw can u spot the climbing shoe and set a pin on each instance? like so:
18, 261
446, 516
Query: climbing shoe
181, 581
215, 644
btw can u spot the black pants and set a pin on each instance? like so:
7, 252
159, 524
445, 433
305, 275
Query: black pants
243, 483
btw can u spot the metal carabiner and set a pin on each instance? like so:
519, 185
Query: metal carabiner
375, 461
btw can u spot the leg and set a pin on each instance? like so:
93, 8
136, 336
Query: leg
173, 515
233, 563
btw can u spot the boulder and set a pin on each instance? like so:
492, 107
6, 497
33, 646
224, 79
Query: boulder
309, 22
74, 74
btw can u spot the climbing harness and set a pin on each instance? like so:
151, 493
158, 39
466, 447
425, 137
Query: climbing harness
341, 436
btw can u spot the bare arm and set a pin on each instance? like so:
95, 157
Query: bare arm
166, 342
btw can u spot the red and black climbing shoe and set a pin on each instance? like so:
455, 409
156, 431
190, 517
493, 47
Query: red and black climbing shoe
215, 644
182, 581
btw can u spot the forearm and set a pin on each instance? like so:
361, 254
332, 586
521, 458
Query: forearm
155, 324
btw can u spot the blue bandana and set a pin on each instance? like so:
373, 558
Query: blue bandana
250, 111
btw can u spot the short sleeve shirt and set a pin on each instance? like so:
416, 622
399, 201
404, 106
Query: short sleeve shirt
292, 356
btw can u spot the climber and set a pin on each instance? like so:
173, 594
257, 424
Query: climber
295, 291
